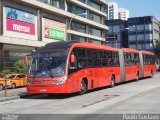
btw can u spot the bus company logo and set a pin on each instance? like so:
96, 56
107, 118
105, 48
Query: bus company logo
9, 117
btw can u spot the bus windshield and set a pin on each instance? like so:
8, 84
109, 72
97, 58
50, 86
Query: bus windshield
50, 63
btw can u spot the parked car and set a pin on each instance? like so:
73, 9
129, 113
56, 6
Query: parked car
13, 80
2, 83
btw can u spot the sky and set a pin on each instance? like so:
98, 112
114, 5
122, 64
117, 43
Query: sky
139, 8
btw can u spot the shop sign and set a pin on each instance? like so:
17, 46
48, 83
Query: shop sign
20, 21
54, 29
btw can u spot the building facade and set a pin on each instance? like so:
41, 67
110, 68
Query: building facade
139, 33
117, 35
114, 12
143, 32
123, 13
28, 24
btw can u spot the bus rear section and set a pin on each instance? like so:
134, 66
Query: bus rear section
148, 63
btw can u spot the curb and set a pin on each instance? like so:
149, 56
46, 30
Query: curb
3, 99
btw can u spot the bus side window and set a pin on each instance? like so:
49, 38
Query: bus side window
81, 58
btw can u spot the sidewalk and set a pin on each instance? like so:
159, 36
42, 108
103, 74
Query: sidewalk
12, 94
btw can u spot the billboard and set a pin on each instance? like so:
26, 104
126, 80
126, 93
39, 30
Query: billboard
54, 29
20, 21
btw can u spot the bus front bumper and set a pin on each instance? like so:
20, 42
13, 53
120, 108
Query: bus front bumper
59, 89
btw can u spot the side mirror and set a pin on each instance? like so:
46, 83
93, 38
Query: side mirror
25, 59
72, 58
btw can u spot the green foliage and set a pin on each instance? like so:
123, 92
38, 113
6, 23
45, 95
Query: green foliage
158, 48
5, 72
158, 44
19, 67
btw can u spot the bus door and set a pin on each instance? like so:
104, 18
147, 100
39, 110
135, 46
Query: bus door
73, 72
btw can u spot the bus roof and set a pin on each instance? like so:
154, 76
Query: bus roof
94, 46
65, 45
130, 50
57, 45
147, 52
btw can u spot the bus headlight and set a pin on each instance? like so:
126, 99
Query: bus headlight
60, 80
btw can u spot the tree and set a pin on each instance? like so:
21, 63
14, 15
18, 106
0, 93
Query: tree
158, 44
5, 72
19, 67
158, 48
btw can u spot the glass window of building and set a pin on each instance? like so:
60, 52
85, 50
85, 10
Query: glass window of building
79, 38
95, 32
78, 27
94, 17
94, 4
75, 9
83, 1
55, 3
45, 1
12, 54
94, 41
61, 4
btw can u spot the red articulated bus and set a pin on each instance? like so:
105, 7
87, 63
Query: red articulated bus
68, 67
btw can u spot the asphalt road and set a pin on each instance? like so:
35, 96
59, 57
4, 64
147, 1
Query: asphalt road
134, 97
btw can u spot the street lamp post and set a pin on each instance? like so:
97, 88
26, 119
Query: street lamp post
74, 17
69, 26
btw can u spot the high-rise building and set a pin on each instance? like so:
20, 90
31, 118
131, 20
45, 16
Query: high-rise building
28, 24
114, 12
123, 14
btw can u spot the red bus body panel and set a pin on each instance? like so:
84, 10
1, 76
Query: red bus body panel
96, 77
149, 68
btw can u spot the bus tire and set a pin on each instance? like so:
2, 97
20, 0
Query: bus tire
83, 87
151, 73
1, 87
112, 81
13, 86
137, 76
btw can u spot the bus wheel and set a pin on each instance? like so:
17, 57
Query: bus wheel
83, 87
1, 87
13, 86
151, 73
137, 77
112, 81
